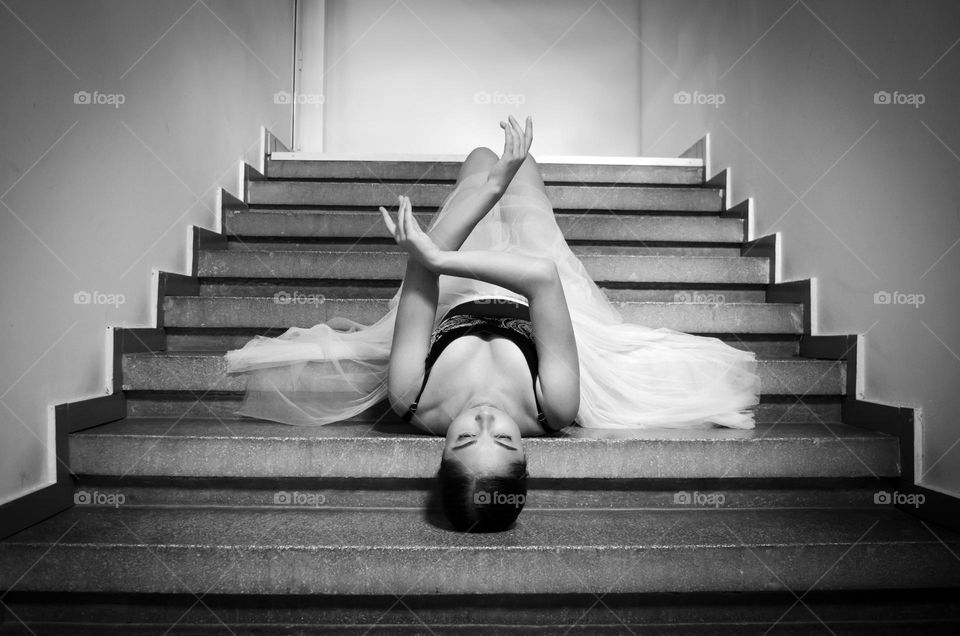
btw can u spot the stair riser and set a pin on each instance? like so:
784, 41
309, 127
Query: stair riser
346, 570
208, 340
575, 227
377, 265
365, 245
420, 496
379, 290
430, 195
413, 457
208, 373
922, 612
287, 310
224, 407
449, 170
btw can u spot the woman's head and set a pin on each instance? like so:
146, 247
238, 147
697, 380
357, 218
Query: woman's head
483, 472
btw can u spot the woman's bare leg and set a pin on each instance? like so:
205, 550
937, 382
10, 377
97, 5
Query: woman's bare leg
461, 219
528, 173
479, 160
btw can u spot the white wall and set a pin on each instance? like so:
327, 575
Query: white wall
878, 183
99, 196
405, 77
880, 211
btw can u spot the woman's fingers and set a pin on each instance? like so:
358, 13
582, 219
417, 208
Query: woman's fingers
401, 229
528, 133
517, 136
507, 138
391, 226
408, 225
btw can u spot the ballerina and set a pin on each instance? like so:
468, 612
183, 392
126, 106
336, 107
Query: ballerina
497, 333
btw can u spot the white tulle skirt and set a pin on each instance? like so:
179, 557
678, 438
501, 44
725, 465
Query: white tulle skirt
631, 376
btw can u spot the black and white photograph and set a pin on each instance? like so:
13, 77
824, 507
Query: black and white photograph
440, 317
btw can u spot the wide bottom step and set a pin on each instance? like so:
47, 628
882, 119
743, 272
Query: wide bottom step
316, 549
874, 612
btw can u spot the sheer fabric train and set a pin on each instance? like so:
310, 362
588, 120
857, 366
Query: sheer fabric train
632, 376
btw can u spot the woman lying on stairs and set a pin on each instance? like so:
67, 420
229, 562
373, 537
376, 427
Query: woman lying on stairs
497, 333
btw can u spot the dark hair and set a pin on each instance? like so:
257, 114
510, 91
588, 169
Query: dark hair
482, 503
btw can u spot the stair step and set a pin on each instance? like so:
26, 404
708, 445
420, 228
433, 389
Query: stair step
386, 290
391, 449
206, 371
289, 310
294, 223
930, 612
385, 245
211, 339
448, 170
284, 550
382, 265
132, 490
431, 195
223, 406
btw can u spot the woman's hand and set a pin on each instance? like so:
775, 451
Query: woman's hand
408, 235
516, 145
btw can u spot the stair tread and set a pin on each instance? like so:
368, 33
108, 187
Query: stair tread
370, 262
647, 170
298, 549
288, 309
681, 198
394, 250
381, 428
624, 303
595, 225
406, 527
199, 447
206, 371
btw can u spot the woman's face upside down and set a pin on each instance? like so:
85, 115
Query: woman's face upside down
485, 439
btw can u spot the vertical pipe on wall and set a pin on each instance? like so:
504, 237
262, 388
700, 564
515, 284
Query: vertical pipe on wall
297, 69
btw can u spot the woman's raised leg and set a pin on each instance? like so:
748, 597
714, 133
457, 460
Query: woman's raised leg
449, 229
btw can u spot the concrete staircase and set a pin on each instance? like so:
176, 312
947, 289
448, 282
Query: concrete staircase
192, 519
